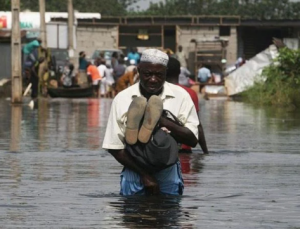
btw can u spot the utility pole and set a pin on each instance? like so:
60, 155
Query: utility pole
15, 129
43, 24
71, 30
16, 65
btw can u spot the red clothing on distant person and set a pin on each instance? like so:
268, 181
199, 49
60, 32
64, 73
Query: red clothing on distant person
93, 71
193, 95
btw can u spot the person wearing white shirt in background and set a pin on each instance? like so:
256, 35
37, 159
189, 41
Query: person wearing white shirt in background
68, 76
109, 81
101, 69
131, 66
184, 77
181, 56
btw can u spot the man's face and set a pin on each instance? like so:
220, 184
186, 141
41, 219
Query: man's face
152, 77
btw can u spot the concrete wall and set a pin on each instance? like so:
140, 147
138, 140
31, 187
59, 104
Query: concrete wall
232, 49
92, 38
186, 33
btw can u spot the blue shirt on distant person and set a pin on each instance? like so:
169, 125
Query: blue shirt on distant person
134, 56
204, 74
28, 48
82, 63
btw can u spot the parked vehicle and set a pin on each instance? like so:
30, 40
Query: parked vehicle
107, 54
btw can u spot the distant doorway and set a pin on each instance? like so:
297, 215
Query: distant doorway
256, 39
169, 41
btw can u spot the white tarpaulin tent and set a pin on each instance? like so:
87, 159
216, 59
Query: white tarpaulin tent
245, 76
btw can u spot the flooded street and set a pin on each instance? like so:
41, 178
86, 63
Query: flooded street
54, 174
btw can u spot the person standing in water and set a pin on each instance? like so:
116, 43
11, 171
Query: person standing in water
173, 73
135, 179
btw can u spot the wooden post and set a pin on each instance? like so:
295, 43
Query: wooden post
43, 36
16, 63
15, 132
70, 30
43, 33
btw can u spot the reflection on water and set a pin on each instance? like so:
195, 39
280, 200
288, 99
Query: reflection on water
54, 174
16, 118
155, 212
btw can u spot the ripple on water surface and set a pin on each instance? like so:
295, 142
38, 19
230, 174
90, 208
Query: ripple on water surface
54, 174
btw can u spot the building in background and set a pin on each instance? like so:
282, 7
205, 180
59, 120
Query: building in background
246, 37
57, 33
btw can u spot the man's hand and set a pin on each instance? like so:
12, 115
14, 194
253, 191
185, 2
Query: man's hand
180, 133
149, 181
150, 184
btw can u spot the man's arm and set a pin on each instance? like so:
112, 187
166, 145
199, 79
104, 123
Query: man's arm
125, 159
180, 133
202, 141
114, 142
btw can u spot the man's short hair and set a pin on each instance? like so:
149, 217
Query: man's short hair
173, 68
81, 53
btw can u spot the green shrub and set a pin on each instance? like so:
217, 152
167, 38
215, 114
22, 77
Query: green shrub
282, 81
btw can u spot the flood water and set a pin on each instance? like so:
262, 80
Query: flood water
54, 174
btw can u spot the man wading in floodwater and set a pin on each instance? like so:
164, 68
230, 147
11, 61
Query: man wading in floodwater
143, 102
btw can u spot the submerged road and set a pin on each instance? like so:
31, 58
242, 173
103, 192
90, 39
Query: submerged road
54, 174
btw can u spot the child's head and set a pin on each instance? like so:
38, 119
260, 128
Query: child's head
71, 67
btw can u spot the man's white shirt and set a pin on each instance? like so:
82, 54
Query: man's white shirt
175, 99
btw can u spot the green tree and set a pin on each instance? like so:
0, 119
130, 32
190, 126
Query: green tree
258, 9
5, 5
281, 82
105, 7
255, 9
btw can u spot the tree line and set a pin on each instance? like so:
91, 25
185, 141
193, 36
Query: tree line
254, 9
105, 7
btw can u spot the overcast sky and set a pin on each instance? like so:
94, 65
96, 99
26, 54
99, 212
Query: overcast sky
144, 4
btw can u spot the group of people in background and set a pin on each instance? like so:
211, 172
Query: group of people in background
37, 62
108, 77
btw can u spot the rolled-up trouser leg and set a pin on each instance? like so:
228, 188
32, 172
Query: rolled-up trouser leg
170, 181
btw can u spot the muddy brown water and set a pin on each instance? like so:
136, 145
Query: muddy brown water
54, 174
